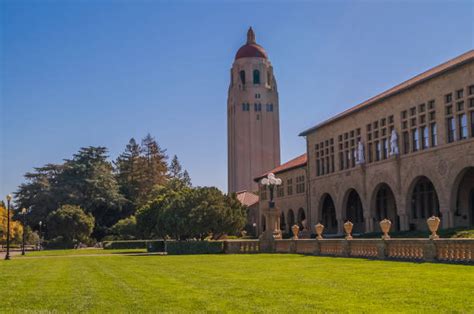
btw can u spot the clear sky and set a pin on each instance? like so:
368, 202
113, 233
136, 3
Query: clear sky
80, 73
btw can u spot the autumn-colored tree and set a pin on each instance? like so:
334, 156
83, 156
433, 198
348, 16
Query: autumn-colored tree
16, 228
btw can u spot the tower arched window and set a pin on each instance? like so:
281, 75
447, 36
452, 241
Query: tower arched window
256, 76
242, 76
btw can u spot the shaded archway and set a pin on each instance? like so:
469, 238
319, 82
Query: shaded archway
423, 203
462, 198
384, 206
282, 222
328, 214
302, 219
355, 212
291, 218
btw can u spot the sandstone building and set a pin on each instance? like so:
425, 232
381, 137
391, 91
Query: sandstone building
405, 154
252, 117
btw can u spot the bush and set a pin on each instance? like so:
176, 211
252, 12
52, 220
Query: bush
125, 229
58, 243
130, 244
194, 247
156, 246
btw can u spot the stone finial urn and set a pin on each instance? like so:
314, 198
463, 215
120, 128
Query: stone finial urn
385, 226
433, 225
348, 229
295, 229
319, 231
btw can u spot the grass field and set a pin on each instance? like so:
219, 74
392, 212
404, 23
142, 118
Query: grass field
233, 283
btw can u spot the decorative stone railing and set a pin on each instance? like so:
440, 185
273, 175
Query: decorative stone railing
241, 246
428, 250
439, 250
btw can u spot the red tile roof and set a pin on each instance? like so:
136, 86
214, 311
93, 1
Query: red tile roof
246, 198
431, 73
299, 161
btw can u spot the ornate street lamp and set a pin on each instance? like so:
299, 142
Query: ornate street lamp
271, 181
272, 215
24, 211
9, 198
40, 224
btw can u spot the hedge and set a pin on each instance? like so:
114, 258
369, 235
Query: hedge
171, 247
156, 246
125, 244
194, 247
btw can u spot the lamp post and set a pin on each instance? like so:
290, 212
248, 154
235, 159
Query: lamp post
271, 181
9, 198
254, 229
40, 224
271, 214
23, 214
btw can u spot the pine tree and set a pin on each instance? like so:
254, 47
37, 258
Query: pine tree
178, 177
154, 169
130, 173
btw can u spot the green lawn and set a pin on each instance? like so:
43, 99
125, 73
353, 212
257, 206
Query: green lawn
233, 283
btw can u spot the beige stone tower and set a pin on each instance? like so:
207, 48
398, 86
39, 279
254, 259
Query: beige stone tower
253, 126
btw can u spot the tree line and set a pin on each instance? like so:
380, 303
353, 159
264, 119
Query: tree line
138, 195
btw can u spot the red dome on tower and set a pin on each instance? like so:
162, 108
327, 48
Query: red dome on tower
251, 49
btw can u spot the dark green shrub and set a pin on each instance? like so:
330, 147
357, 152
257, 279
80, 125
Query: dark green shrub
128, 244
194, 247
156, 246
58, 243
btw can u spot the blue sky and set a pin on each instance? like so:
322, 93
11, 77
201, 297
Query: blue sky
80, 73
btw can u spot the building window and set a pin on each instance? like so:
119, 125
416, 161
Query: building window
377, 151
300, 185
289, 187
256, 76
462, 126
472, 123
451, 127
471, 90
369, 152
448, 98
471, 103
424, 137
246, 107
258, 107
280, 190
460, 106
415, 140
449, 109
406, 143
434, 135
242, 77
269, 107
460, 94
385, 148
431, 104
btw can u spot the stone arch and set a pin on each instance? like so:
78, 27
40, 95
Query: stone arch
461, 199
256, 76
291, 219
242, 77
301, 219
327, 212
353, 210
282, 221
383, 205
422, 202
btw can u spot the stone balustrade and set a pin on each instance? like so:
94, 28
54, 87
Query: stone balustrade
439, 250
433, 249
241, 246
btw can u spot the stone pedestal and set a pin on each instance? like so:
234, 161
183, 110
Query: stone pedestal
272, 231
